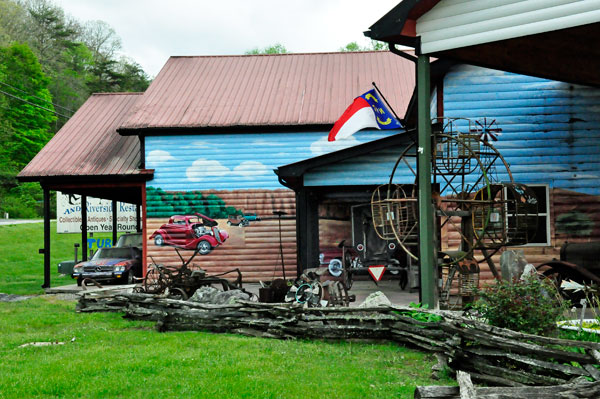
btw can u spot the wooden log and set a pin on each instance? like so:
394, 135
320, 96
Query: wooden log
583, 390
490, 340
466, 388
568, 370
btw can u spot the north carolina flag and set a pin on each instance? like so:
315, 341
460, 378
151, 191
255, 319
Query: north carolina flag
367, 110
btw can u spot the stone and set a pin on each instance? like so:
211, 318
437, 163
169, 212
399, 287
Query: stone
376, 298
214, 296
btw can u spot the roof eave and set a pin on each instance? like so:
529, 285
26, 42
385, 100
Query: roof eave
142, 175
398, 25
189, 130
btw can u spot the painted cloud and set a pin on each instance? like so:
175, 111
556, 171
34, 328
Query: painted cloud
158, 157
202, 168
250, 168
322, 146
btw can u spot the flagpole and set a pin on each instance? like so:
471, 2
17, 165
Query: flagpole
386, 101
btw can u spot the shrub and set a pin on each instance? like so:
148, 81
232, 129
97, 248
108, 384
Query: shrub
530, 305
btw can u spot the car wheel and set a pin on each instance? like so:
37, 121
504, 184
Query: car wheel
204, 247
79, 281
159, 240
130, 277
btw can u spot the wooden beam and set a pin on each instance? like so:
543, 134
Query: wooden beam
84, 244
46, 238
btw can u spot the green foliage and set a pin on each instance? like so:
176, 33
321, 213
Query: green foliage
372, 46
276, 48
23, 201
165, 204
530, 305
418, 315
29, 111
49, 65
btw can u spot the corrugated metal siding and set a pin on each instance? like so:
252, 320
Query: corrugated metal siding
88, 144
253, 249
460, 23
369, 169
550, 135
550, 130
236, 161
268, 90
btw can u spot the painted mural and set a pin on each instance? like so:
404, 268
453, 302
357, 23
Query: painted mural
229, 179
550, 136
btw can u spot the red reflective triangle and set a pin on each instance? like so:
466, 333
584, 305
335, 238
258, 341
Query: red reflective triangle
376, 271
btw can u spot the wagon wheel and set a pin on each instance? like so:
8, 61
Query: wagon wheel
309, 294
462, 167
154, 283
178, 293
338, 295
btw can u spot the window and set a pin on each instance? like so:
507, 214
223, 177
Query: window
538, 228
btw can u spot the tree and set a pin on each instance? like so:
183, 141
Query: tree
372, 46
276, 48
101, 39
29, 111
13, 23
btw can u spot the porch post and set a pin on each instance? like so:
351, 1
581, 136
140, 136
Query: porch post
114, 222
307, 230
426, 219
46, 238
84, 244
138, 218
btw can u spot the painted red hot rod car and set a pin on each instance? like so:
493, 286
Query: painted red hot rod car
196, 232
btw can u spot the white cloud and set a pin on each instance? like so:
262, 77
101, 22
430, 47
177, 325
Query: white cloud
158, 157
250, 168
265, 143
198, 144
322, 146
202, 168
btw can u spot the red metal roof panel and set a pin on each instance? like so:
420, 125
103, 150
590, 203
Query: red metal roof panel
268, 90
88, 144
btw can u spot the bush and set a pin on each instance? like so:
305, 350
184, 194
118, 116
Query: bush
530, 305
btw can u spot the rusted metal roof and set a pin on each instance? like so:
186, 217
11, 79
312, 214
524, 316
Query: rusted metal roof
266, 90
88, 144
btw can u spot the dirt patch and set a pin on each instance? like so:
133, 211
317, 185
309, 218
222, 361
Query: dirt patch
13, 298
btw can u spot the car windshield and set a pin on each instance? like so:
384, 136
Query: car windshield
114, 252
130, 240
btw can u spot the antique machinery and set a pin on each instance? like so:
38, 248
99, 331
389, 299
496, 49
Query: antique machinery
477, 205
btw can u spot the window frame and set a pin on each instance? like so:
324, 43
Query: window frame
545, 213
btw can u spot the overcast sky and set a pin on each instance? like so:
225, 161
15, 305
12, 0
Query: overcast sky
153, 30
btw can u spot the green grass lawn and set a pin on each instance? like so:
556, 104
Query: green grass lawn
22, 267
116, 358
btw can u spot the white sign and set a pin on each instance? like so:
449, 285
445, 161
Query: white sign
377, 271
99, 214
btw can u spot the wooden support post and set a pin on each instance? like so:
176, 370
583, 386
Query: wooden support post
114, 222
307, 230
46, 238
84, 244
426, 221
138, 218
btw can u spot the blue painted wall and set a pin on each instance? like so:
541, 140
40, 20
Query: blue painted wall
550, 130
235, 161
368, 169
